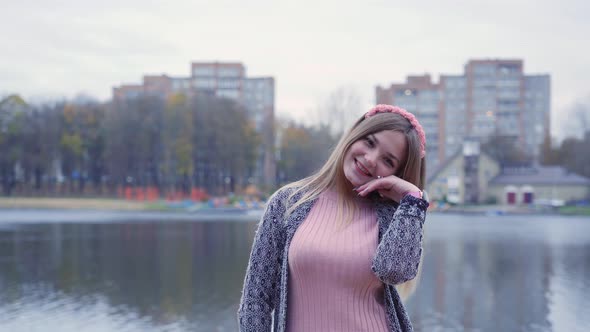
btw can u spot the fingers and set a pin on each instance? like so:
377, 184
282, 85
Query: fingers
364, 190
378, 184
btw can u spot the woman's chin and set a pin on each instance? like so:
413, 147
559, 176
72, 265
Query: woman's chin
356, 182
355, 179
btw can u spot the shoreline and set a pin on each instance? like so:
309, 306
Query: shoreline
191, 208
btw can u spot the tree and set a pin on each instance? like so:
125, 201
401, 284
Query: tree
13, 120
95, 143
340, 109
226, 144
505, 150
178, 131
573, 154
573, 151
578, 119
303, 150
549, 155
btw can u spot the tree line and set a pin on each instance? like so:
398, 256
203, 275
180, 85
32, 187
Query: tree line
181, 143
573, 154
174, 144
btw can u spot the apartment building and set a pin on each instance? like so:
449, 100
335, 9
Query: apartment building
420, 96
491, 97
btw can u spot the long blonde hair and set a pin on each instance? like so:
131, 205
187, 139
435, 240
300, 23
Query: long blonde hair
331, 175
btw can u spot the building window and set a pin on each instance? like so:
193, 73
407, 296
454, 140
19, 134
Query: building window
204, 83
231, 94
228, 83
509, 69
229, 72
204, 71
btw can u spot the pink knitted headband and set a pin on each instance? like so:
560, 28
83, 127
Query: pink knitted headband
382, 108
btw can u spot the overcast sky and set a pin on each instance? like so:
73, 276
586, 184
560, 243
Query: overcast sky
63, 48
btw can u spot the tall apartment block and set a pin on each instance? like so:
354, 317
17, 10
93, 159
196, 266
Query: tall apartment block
423, 98
222, 80
492, 97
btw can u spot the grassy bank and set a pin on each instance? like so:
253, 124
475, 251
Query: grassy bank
575, 210
73, 203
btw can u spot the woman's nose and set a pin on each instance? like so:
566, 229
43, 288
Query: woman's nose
371, 160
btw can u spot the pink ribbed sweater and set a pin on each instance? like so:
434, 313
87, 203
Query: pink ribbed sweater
331, 286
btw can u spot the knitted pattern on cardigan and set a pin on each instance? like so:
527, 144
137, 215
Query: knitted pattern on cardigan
396, 260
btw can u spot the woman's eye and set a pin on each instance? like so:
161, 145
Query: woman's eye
369, 141
389, 162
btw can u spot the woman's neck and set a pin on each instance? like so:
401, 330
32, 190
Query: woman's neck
347, 192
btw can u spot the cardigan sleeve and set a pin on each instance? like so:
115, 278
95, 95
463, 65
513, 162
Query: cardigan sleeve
260, 294
398, 253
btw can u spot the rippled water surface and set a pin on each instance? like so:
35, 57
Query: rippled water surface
89, 272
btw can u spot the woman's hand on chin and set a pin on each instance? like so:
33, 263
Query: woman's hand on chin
391, 187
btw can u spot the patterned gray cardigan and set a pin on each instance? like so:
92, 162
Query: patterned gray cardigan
264, 297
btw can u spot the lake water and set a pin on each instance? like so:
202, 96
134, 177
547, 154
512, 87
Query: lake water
82, 271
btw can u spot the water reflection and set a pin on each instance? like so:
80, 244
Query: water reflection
162, 272
480, 274
504, 274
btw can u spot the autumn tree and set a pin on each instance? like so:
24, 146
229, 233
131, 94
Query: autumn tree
13, 116
226, 144
178, 131
303, 150
134, 142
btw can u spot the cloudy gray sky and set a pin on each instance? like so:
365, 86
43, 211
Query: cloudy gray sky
67, 47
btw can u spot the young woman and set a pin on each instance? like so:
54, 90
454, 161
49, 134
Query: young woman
334, 251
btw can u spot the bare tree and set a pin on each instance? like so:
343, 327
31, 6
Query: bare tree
340, 109
578, 122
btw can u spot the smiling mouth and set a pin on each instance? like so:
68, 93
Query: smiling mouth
362, 169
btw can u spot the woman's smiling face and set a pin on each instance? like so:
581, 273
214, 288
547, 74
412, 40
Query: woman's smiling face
379, 154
